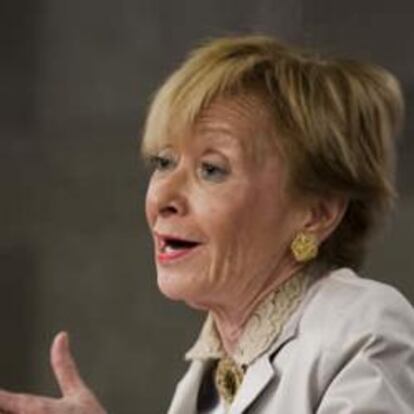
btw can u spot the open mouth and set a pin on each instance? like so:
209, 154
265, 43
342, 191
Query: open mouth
172, 244
171, 247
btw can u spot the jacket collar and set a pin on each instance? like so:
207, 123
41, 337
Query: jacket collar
259, 374
261, 330
257, 377
186, 393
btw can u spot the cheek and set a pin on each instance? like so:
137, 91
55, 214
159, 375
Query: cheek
224, 218
258, 228
229, 227
150, 205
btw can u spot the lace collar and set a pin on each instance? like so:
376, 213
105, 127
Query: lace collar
262, 329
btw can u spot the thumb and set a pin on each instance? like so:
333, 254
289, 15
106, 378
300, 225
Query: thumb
64, 366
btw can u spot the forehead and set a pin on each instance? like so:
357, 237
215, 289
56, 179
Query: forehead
231, 115
241, 118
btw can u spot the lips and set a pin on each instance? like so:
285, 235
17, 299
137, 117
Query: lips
171, 247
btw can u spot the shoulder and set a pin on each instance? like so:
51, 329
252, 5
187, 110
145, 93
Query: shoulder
350, 302
351, 334
344, 284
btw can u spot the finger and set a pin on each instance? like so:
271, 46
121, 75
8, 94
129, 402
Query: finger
15, 403
10, 402
64, 366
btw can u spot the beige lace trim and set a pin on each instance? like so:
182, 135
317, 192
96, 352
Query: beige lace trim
261, 330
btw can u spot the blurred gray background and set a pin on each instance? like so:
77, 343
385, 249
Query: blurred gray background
75, 80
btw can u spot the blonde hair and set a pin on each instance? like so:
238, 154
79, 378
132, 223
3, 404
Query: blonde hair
335, 122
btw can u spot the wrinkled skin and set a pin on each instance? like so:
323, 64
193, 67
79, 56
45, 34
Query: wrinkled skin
206, 188
76, 396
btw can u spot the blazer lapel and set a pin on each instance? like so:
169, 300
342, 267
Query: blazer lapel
255, 381
258, 376
185, 396
262, 372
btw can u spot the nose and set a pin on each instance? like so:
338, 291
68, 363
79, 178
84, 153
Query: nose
172, 207
168, 196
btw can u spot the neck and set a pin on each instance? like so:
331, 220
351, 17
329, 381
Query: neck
231, 320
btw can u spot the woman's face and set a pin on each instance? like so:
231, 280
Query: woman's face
222, 224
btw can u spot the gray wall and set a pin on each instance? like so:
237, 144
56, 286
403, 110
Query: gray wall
75, 79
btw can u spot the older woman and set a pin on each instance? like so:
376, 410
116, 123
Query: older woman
272, 169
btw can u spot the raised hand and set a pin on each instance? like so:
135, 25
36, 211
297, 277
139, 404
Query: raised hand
76, 398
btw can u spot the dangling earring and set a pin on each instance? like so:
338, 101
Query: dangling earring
304, 247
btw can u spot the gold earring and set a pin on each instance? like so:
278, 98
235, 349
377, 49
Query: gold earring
304, 247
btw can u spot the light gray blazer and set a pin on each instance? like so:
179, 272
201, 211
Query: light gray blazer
348, 349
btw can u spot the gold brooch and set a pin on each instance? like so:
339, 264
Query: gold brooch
228, 378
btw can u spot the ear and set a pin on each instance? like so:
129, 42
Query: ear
324, 216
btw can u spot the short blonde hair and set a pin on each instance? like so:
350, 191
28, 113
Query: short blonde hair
335, 122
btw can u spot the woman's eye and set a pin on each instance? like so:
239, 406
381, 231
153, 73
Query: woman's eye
213, 172
161, 162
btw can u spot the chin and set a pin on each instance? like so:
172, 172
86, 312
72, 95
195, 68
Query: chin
169, 292
179, 290
170, 287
